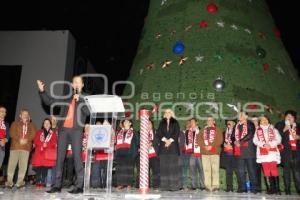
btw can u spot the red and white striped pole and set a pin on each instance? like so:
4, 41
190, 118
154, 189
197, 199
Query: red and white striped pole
144, 159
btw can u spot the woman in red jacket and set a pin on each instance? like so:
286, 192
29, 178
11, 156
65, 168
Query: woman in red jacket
44, 156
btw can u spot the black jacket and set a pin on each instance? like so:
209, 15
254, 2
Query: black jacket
286, 154
250, 151
81, 110
173, 132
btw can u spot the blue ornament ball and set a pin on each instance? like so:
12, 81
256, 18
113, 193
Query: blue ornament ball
178, 48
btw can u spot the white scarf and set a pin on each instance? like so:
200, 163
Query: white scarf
24, 129
124, 142
152, 153
292, 134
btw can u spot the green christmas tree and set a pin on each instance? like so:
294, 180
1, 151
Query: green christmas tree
212, 55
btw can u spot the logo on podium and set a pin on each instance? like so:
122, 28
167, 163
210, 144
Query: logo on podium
99, 136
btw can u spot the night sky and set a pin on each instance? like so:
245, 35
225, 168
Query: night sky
108, 31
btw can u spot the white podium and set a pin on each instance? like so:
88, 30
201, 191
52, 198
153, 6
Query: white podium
100, 136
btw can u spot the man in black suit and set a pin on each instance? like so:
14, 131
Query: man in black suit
73, 112
289, 130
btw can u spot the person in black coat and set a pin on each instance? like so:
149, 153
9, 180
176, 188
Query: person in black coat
228, 160
74, 112
245, 151
289, 130
168, 133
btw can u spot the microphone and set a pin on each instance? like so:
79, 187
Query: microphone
76, 91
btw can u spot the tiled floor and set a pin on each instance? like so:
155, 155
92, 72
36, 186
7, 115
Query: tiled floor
30, 193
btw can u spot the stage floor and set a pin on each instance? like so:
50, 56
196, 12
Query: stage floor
30, 193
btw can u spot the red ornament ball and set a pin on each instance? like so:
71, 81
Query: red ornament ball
203, 24
212, 8
266, 66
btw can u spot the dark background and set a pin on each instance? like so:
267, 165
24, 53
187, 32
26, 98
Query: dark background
108, 31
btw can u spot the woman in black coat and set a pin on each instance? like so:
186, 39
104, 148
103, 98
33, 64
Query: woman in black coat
168, 133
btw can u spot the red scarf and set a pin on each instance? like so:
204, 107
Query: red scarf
152, 153
2, 130
209, 137
239, 136
189, 141
191, 146
124, 142
228, 140
292, 134
261, 137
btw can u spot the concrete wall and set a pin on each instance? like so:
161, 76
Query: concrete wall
45, 55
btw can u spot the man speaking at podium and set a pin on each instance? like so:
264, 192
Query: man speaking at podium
73, 113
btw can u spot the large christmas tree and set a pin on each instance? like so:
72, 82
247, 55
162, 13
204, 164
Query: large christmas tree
199, 55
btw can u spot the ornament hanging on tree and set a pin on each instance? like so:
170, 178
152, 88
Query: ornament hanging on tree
173, 32
182, 60
247, 30
203, 24
219, 84
188, 28
262, 35
150, 66
178, 48
218, 56
234, 27
237, 60
260, 52
199, 58
167, 63
277, 32
158, 35
212, 8
252, 62
280, 70
266, 66
221, 24
141, 71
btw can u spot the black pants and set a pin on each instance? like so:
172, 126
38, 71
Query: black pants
68, 171
250, 163
292, 166
230, 168
99, 173
169, 172
124, 170
258, 173
154, 167
41, 174
65, 137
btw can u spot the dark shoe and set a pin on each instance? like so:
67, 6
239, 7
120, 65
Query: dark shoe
54, 190
229, 190
277, 186
76, 191
269, 185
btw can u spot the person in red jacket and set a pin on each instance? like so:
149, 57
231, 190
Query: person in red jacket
44, 156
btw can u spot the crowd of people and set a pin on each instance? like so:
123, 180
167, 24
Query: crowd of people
179, 159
